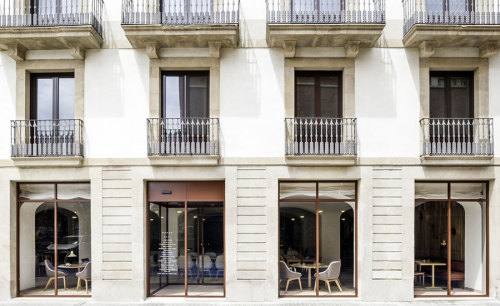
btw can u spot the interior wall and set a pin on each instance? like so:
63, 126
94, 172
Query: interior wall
474, 242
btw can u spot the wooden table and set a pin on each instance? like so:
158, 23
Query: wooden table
433, 265
72, 266
309, 267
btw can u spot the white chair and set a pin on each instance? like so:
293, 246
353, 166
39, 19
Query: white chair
219, 265
51, 274
289, 275
86, 276
205, 264
331, 274
180, 265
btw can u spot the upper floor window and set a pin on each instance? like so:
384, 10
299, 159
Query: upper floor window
185, 94
451, 94
318, 94
52, 96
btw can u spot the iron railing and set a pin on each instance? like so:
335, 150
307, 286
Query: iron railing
326, 11
457, 136
46, 138
49, 13
320, 136
180, 12
183, 136
450, 12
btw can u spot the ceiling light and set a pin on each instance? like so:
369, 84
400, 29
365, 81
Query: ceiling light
301, 217
293, 219
320, 211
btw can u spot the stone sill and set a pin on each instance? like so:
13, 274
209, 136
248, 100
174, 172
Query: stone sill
457, 160
451, 35
188, 160
182, 36
34, 162
323, 35
321, 160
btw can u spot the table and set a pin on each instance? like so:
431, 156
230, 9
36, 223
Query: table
72, 266
432, 264
309, 267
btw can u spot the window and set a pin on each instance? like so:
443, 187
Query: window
317, 10
317, 223
185, 94
186, 239
52, 96
318, 94
450, 11
54, 250
451, 94
451, 239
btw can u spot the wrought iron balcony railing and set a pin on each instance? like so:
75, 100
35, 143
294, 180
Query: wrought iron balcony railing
326, 11
49, 13
47, 138
457, 136
450, 12
183, 136
180, 12
320, 136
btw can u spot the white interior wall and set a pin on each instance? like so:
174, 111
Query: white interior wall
475, 261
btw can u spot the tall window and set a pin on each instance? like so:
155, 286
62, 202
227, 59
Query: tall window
318, 94
52, 96
450, 11
451, 94
186, 239
54, 251
451, 239
185, 94
312, 11
317, 239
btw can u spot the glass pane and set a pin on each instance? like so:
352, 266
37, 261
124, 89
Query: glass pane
36, 249
304, 96
337, 190
303, 5
74, 248
431, 191
460, 97
437, 97
468, 190
290, 191
206, 247
468, 248
329, 97
198, 97
73, 191
173, 95
431, 243
297, 262
36, 191
166, 249
46, 6
201, 6
44, 99
330, 5
337, 248
66, 98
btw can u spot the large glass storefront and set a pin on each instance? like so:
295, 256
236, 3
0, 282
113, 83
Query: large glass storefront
317, 238
186, 239
451, 243
54, 249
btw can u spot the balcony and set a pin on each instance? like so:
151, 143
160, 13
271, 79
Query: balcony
183, 137
49, 25
324, 23
457, 137
47, 142
430, 24
152, 24
320, 136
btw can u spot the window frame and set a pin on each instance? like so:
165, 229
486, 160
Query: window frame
447, 89
317, 75
33, 99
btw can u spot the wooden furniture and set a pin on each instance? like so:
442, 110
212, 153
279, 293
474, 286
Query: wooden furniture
331, 274
432, 264
420, 274
72, 266
86, 276
457, 273
49, 269
289, 275
309, 267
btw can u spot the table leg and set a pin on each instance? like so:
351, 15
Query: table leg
309, 277
432, 276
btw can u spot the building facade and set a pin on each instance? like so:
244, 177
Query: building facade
222, 151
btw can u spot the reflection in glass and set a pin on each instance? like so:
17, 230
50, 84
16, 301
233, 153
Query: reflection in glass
36, 191
468, 190
337, 190
73, 191
431, 191
297, 190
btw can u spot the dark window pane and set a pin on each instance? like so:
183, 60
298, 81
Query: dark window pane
329, 95
437, 97
460, 97
198, 96
305, 97
185, 94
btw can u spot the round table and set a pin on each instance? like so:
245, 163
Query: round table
309, 267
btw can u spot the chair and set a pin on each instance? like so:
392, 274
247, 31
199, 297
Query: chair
219, 265
180, 265
289, 275
51, 274
331, 274
420, 274
86, 276
205, 264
